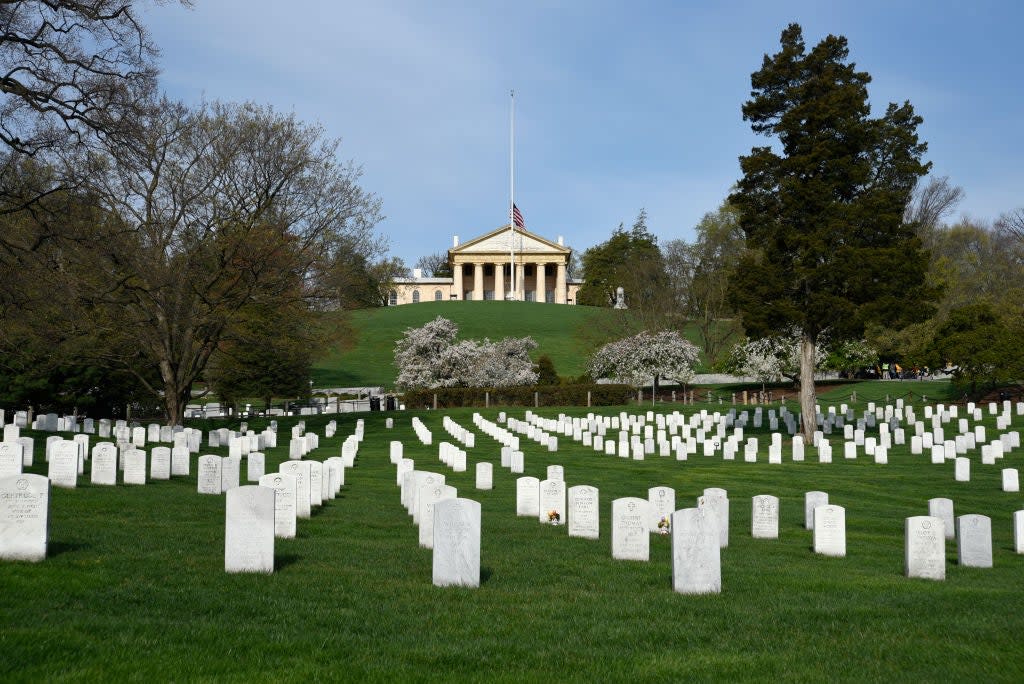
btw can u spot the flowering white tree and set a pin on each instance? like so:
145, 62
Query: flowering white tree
771, 359
429, 357
853, 355
645, 358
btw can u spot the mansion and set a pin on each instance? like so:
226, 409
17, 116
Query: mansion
482, 270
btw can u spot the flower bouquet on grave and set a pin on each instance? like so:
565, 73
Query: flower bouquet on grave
663, 525
554, 517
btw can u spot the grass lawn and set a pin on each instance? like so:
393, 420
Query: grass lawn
134, 586
568, 334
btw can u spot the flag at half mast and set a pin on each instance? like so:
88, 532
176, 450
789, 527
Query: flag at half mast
517, 218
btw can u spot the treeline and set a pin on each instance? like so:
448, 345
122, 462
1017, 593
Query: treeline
147, 245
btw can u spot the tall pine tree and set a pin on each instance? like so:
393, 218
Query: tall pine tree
822, 208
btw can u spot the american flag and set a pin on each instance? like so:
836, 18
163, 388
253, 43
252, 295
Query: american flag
517, 217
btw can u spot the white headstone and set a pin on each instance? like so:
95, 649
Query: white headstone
974, 540
942, 509
255, 466
1011, 480
830, 530
456, 543
181, 459
811, 501
718, 500
10, 458
300, 471
209, 474
230, 472
135, 467
249, 529
962, 469
63, 466
662, 502
160, 463
428, 497
283, 485
764, 519
528, 496
103, 464
631, 538
583, 512
925, 548
484, 475
24, 517
696, 553
552, 502
1018, 531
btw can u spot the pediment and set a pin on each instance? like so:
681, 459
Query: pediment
502, 241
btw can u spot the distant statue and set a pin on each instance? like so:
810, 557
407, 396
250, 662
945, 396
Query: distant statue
620, 298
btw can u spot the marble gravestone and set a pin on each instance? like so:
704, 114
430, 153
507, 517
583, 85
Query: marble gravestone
582, 512
662, 501
718, 500
830, 530
942, 509
63, 467
103, 465
528, 496
764, 518
283, 485
1018, 531
696, 552
209, 474
10, 459
134, 467
160, 463
230, 472
484, 475
974, 540
925, 548
551, 509
181, 458
249, 529
811, 501
456, 560
631, 537
300, 471
24, 517
428, 497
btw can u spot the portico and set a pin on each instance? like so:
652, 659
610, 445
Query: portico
483, 270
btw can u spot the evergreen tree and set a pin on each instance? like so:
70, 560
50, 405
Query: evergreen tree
822, 209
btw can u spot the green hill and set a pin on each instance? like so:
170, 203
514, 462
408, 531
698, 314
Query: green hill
568, 334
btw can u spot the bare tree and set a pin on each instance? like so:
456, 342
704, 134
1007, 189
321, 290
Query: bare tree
1012, 223
931, 203
69, 68
434, 265
208, 213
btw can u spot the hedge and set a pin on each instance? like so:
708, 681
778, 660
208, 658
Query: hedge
547, 395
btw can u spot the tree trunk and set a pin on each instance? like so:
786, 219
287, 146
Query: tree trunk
807, 396
175, 400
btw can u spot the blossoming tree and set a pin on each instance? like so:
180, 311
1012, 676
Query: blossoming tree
429, 357
771, 359
645, 358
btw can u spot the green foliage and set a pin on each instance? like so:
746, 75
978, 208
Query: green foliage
629, 259
823, 217
546, 374
985, 349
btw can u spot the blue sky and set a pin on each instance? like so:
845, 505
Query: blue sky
619, 105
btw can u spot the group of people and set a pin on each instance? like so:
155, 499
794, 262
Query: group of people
894, 371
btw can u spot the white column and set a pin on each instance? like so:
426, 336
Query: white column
499, 281
520, 282
478, 282
560, 285
457, 275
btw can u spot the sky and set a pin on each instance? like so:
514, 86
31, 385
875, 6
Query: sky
618, 105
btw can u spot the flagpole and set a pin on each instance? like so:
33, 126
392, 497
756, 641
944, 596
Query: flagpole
512, 191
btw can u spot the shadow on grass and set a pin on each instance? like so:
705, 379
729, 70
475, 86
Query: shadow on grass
54, 549
283, 560
485, 574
